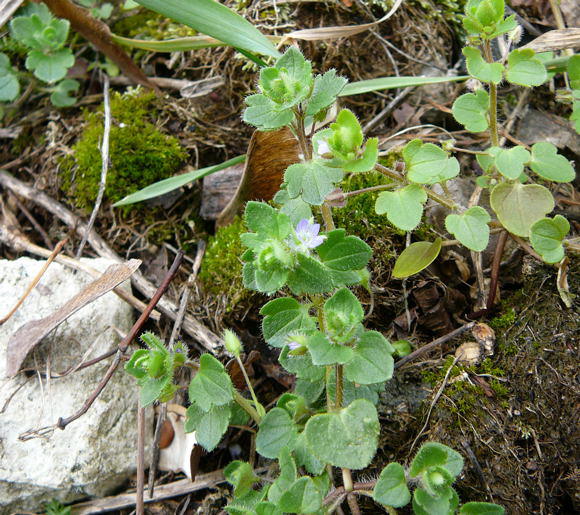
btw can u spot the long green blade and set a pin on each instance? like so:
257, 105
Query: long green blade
169, 45
366, 86
216, 20
166, 185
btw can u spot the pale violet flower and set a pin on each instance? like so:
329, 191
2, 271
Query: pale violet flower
306, 236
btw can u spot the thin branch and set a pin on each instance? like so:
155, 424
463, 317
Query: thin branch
104, 164
62, 423
140, 505
434, 344
34, 281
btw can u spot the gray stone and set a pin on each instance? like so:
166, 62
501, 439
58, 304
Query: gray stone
94, 454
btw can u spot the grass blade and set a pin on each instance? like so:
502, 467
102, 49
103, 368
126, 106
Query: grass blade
172, 183
216, 20
366, 86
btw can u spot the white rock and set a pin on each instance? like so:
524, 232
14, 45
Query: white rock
96, 453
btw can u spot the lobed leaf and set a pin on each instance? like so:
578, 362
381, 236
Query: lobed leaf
211, 385
471, 109
470, 228
520, 206
391, 488
403, 207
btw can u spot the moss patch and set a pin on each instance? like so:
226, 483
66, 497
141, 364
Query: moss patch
221, 270
139, 153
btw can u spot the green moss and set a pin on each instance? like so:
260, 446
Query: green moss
146, 24
139, 153
503, 321
221, 269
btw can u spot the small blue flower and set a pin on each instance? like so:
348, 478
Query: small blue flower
307, 236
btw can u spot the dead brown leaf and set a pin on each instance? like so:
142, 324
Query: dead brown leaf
30, 334
269, 154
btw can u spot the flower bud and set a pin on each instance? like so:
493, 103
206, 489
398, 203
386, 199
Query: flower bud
232, 342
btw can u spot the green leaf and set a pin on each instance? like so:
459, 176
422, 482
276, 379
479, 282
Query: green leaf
283, 317
346, 136
135, 366
241, 475
310, 276
152, 388
289, 81
372, 361
61, 95
437, 480
470, 109
425, 504
324, 352
402, 348
480, 69
366, 86
9, 85
210, 426
481, 508
391, 488
510, 162
265, 114
347, 438
366, 161
295, 208
312, 180
301, 366
433, 454
52, 66
520, 206
305, 458
525, 69
172, 183
211, 385
302, 497
550, 165
575, 116
574, 71
265, 220
216, 20
248, 503
285, 479
270, 281
326, 89
470, 228
416, 257
276, 432
267, 508
404, 207
310, 390
344, 253
427, 163
343, 311
546, 236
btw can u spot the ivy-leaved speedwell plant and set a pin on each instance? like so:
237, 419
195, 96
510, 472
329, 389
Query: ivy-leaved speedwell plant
330, 420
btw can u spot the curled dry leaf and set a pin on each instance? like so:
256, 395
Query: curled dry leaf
176, 456
269, 154
30, 334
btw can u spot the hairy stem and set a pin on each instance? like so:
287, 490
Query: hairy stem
338, 370
247, 379
493, 129
247, 407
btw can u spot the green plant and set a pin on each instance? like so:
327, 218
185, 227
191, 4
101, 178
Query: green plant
54, 507
44, 37
330, 420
